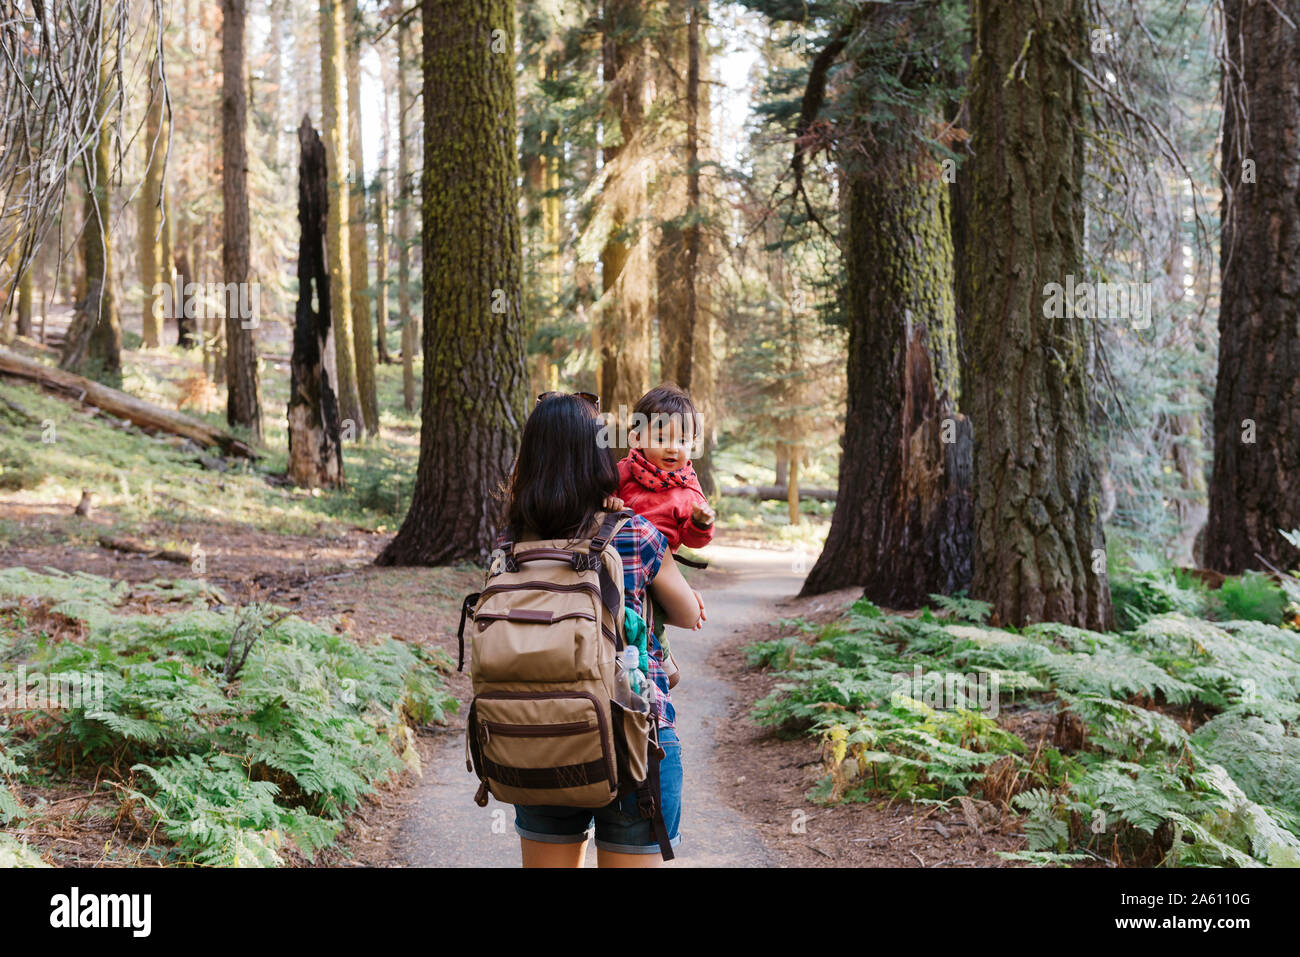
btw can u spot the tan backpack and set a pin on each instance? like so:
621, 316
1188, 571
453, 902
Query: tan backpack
553, 720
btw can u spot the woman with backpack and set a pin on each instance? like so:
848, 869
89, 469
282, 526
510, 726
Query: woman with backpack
562, 477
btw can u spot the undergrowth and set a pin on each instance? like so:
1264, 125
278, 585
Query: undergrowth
1177, 742
220, 755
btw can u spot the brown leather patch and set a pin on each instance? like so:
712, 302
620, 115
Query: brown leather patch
540, 616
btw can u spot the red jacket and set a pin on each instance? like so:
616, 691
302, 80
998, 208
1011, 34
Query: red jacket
667, 509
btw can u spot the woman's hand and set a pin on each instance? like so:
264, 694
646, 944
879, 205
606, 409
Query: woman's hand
682, 605
703, 617
612, 503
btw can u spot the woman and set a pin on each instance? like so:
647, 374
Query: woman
561, 478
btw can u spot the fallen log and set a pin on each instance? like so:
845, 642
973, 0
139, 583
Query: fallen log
135, 547
778, 493
120, 404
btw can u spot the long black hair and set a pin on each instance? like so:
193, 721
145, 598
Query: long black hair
562, 473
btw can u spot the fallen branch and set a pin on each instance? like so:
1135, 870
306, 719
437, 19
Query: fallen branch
135, 547
779, 493
120, 404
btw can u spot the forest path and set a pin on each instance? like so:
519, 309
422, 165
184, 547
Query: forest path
445, 828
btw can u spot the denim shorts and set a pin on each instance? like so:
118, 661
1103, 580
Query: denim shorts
619, 824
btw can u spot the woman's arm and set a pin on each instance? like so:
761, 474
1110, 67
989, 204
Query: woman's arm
680, 602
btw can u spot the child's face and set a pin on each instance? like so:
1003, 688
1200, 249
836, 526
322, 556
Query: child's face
666, 442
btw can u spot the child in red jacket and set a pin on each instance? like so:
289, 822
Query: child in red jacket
656, 480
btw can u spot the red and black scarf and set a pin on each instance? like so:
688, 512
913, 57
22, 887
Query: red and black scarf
652, 477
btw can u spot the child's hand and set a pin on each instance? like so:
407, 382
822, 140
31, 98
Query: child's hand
703, 514
613, 503
703, 617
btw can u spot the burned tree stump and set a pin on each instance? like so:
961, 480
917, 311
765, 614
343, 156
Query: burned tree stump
315, 449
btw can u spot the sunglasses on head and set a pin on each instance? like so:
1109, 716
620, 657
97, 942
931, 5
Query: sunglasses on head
589, 396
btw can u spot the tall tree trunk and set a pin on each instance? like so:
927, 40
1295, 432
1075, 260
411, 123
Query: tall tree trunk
381, 267
315, 447
1255, 484
624, 260
335, 122
1039, 545
23, 316
243, 393
404, 224
358, 251
155, 151
902, 521
474, 377
94, 341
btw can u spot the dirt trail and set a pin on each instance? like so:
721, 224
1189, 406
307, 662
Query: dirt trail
445, 828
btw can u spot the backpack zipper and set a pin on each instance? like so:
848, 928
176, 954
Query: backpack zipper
532, 730
542, 586
500, 616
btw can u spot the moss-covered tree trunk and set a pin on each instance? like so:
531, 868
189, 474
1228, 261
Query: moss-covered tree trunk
1039, 547
381, 269
624, 260
1255, 484
358, 250
902, 521
94, 342
335, 121
155, 152
475, 377
404, 224
243, 391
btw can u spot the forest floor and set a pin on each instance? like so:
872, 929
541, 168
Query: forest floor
744, 790
745, 787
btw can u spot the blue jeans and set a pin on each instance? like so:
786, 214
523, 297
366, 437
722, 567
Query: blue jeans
619, 824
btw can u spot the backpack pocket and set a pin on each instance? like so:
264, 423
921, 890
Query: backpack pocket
543, 747
633, 727
531, 633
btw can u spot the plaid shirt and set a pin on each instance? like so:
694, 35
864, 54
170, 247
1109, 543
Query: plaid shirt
642, 547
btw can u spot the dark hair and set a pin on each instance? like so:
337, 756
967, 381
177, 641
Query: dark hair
562, 474
665, 398
661, 405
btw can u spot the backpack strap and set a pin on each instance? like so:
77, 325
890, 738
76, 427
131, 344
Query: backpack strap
649, 794
610, 592
465, 606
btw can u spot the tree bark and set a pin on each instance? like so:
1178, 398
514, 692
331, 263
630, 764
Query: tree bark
381, 268
404, 224
155, 149
94, 341
23, 314
1255, 484
475, 376
625, 311
358, 251
1039, 546
335, 122
243, 393
315, 446
902, 521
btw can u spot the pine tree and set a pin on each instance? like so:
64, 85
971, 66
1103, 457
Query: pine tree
475, 378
